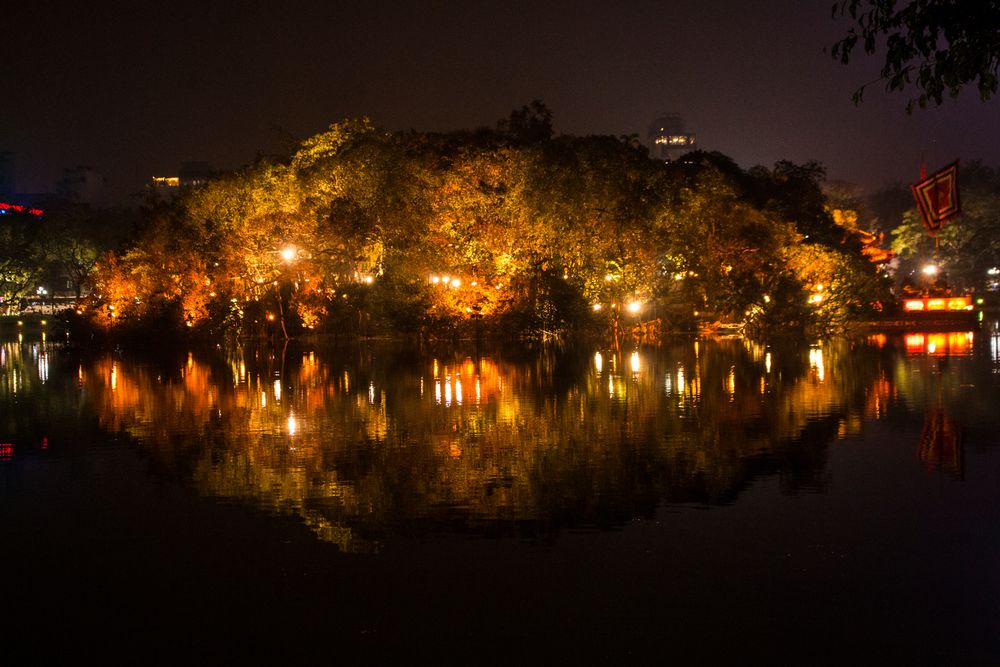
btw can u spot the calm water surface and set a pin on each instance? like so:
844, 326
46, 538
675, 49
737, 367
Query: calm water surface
704, 500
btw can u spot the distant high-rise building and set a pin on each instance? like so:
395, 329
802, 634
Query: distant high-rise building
83, 185
8, 174
668, 139
195, 173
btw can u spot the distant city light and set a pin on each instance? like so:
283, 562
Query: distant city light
6, 207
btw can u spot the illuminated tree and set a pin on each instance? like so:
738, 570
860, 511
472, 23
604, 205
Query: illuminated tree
364, 231
21, 258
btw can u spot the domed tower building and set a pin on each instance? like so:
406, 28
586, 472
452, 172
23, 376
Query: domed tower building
668, 139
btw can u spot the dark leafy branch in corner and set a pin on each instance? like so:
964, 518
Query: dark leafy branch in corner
938, 46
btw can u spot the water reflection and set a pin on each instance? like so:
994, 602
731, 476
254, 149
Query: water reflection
517, 441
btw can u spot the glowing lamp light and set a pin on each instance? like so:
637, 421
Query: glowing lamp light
959, 303
930, 270
634, 307
597, 307
435, 280
288, 253
935, 304
913, 305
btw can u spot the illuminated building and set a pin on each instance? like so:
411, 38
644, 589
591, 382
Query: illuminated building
165, 184
190, 175
668, 139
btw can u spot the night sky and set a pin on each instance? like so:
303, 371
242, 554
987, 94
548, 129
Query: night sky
134, 89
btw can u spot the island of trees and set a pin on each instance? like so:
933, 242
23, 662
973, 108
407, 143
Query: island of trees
512, 230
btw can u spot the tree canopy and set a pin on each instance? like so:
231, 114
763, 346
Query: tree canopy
936, 46
372, 232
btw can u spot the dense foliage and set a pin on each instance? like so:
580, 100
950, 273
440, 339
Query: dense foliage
42, 256
369, 232
938, 46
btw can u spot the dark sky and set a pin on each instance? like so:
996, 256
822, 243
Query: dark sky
134, 89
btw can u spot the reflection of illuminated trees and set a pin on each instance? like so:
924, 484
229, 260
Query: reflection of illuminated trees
356, 446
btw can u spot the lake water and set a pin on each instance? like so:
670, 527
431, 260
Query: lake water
703, 501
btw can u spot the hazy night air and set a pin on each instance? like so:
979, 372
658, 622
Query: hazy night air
136, 91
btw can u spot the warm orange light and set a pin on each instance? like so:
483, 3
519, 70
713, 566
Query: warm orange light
935, 304
958, 304
914, 343
913, 304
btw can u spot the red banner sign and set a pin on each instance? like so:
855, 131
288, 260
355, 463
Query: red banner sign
937, 198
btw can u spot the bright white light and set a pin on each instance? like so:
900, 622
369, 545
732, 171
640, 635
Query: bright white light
993, 271
435, 280
292, 425
455, 282
635, 362
816, 363
596, 306
288, 253
598, 361
930, 270
634, 307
